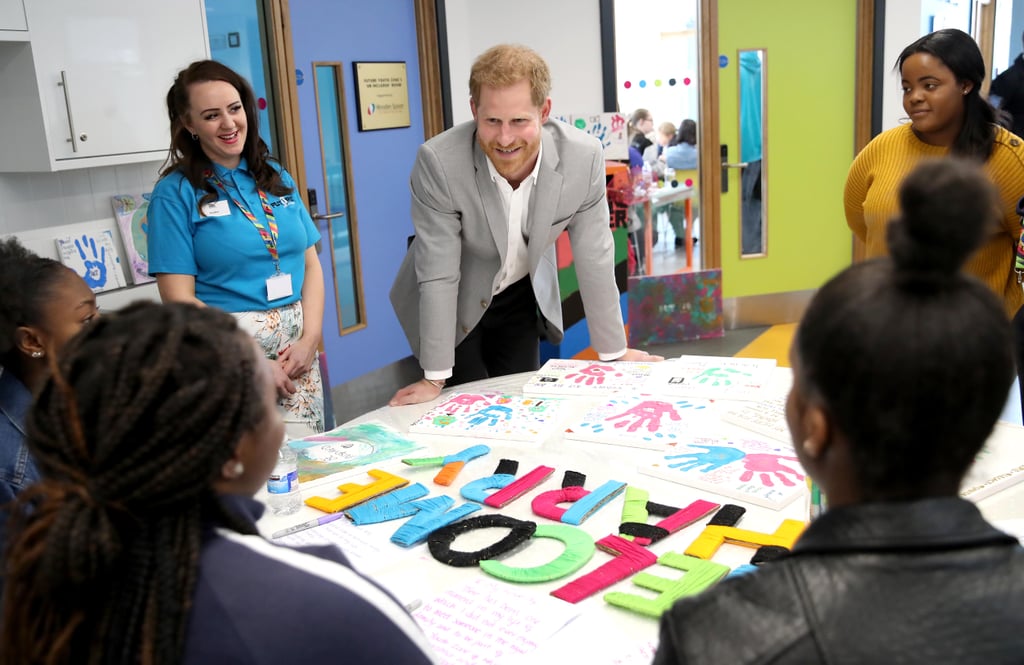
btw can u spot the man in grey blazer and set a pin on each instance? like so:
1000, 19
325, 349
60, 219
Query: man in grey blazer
489, 199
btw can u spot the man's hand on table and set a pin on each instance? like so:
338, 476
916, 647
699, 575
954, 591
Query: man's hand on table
423, 390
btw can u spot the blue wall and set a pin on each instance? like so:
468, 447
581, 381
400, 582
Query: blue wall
382, 30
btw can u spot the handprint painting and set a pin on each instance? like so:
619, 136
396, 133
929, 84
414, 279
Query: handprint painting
758, 471
94, 257
644, 421
713, 377
130, 212
585, 377
491, 415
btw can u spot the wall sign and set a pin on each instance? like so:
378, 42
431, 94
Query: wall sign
382, 93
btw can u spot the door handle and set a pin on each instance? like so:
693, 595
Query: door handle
740, 165
333, 215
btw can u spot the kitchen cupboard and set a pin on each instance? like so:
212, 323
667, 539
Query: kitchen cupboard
88, 88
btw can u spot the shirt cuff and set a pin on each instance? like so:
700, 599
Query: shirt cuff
608, 357
437, 375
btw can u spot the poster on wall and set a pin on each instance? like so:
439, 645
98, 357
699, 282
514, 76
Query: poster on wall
382, 93
608, 128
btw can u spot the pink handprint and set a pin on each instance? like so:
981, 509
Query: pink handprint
465, 402
766, 465
592, 374
649, 412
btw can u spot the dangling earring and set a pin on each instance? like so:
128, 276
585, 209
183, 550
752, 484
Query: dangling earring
236, 470
37, 354
195, 137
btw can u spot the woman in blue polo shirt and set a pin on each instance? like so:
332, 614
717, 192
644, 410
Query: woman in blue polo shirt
228, 230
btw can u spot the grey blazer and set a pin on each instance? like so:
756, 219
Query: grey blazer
445, 283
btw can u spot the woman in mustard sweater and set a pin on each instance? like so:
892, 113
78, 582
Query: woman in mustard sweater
941, 77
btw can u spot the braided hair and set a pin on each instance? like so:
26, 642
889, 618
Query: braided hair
130, 432
911, 356
188, 156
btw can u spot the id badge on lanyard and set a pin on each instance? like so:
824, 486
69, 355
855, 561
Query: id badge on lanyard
279, 285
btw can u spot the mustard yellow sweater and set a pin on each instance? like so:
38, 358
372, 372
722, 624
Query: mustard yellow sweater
871, 200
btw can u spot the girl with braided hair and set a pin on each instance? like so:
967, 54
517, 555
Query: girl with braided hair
45, 303
138, 544
901, 366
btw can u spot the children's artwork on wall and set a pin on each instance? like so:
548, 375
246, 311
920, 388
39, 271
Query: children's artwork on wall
586, 377
130, 212
999, 465
753, 470
713, 377
644, 421
94, 257
675, 308
348, 447
491, 415
611, 129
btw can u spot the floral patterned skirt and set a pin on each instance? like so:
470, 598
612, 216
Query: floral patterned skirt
275, 330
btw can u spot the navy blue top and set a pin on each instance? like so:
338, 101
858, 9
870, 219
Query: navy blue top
257, 602
17, 470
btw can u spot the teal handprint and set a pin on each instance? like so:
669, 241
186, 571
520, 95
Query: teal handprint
712, 457
719, 376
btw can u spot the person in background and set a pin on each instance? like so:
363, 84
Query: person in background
941, 76
45, 304
489, 199
899, 569
681, 154
227, 229
1008, 87
639, 125
655, 153
139, 544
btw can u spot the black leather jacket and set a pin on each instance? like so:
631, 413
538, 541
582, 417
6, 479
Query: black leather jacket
917, 582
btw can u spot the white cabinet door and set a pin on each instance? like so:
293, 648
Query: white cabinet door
12, 15
103, 69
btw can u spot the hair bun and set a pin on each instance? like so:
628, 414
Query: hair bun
948, 207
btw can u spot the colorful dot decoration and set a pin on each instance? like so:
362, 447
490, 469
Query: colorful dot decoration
642, 83
261, 103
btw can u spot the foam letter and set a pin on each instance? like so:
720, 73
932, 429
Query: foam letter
637, 508
521, 486
392, 506
579, 547
629, 558
714, 536
504, 475
440, 541
353, 494
699, 576
433, 515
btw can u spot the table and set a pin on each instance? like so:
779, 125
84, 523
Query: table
661, 197
602, 632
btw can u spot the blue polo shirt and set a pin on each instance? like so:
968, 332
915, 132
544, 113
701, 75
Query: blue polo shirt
220, 247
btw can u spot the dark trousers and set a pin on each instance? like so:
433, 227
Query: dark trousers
505, 341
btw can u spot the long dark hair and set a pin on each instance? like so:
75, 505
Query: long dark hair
960, 53
187, 155
687, 133
139, 416
910, 356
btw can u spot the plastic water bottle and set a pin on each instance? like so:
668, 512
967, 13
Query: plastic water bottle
283, 497
670, 175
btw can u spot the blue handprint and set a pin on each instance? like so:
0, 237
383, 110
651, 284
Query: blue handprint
491, 413
95, 268
600, 132
714, 457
